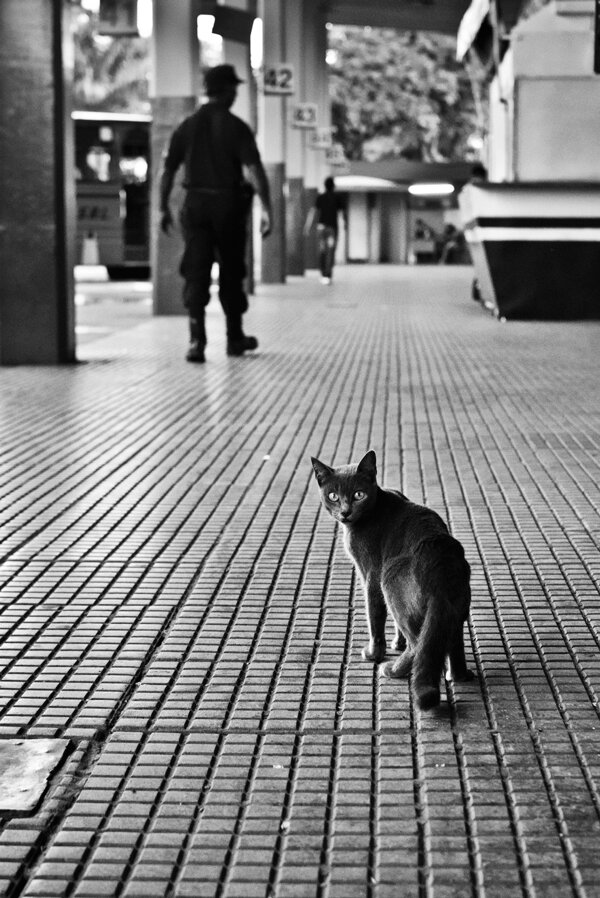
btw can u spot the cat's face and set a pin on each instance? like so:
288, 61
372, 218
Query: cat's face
349, 491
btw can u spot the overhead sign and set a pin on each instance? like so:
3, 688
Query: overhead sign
118, 18
304, 115
343, 169
321, 139
233, 24
335, 155
278, 79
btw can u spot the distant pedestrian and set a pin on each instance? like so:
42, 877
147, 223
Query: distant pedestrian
326, 210
222, 168
479, 175
453, 247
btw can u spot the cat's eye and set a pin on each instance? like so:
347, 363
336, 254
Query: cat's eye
359, 494
333, 497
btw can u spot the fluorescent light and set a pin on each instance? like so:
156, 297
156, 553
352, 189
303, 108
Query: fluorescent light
424, 189
144, 18
256, 44
205, 28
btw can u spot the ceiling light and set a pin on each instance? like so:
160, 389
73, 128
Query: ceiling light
424, 189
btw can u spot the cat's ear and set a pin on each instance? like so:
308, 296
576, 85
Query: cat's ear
368, 465
321, 471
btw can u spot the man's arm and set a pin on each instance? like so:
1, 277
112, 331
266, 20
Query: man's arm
166, 185
258, 178
309, 220
171, 162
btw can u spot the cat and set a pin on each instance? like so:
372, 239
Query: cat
409, 565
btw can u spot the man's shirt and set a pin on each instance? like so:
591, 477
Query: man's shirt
213, 144
328, 205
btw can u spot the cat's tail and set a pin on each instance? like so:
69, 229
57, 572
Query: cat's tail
429, 657
444, 579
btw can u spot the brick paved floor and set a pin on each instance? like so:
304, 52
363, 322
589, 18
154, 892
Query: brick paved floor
176, 605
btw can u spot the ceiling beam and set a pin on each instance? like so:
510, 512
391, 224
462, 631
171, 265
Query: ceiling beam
404, 15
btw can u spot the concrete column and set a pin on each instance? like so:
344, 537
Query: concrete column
295, 12
175, 94
322, 75
272, 139
37, 187
237, 54
316, 90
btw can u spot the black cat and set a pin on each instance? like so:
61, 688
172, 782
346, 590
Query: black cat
410, 565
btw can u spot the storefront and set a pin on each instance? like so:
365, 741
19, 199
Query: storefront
400, 212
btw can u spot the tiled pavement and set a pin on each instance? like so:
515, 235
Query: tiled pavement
176, 605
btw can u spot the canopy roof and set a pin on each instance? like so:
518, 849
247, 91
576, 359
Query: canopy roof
410, 15
406, 171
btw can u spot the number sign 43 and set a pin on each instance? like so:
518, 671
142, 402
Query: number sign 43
278, 79
304, 115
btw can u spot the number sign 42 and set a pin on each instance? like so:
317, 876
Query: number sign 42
278, 79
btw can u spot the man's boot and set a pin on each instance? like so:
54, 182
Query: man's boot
237, 342
239, 347
195, 352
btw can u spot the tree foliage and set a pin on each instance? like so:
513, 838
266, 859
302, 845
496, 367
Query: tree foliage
110, 73
401, 94
394, 94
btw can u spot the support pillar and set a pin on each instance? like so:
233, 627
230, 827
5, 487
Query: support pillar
295, 11
272, 139
174, 96
316, 90
237, 54
37, 223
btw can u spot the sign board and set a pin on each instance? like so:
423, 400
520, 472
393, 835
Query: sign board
278, 79
118, 18
342, 169
304, 115
335, 155
321, 139
233, 24
99, 213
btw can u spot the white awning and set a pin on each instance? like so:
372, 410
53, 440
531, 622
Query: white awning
469, 26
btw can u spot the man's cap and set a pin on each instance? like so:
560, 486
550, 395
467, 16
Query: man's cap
219, 77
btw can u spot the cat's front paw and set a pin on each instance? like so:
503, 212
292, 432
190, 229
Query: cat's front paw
374, 651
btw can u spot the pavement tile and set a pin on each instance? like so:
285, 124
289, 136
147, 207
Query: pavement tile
175, 602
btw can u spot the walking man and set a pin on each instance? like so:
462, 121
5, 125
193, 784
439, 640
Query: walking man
327, 206
222, 168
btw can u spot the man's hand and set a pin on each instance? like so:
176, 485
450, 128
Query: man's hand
166, 221
265, 222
